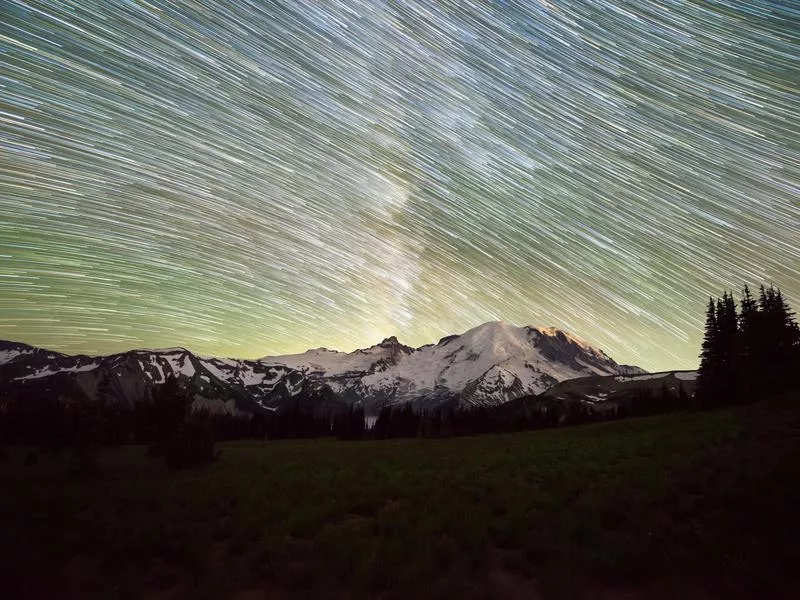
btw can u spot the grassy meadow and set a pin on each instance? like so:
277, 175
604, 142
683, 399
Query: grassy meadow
692, 505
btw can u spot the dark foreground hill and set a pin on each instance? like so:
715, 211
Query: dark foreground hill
689, 505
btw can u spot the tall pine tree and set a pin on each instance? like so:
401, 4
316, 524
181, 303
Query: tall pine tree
778, 354
709, 364
748, 347
717, 383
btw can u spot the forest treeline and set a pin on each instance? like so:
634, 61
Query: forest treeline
75, 421
749, 351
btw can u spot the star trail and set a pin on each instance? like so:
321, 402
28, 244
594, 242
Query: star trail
250, 178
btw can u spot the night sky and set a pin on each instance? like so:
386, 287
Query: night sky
250, 178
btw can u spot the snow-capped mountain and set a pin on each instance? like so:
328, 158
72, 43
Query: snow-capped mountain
487, 365
217, 385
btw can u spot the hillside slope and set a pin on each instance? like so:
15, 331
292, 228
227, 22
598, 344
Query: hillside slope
603, 392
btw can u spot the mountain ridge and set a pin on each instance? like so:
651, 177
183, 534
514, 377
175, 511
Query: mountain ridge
487, 365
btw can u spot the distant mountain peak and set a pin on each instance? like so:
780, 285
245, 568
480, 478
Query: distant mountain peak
391, 343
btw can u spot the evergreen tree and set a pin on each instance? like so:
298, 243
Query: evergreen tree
727, 322
718, 374
170, 409
683, 398
748, 321
779, 341
749, 344
709, 348
357, 423
351, 425
708, 373
383, 424
753, 354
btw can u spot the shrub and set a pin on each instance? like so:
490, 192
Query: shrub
192, 446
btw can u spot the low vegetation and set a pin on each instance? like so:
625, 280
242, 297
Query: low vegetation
693, 505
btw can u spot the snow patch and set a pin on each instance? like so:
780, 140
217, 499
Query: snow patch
686, 375
9, 355
639, 377
46, 372
217, 372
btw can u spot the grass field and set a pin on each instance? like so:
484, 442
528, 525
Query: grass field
684, 506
